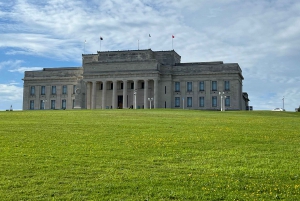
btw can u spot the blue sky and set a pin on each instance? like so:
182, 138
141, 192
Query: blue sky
263, 36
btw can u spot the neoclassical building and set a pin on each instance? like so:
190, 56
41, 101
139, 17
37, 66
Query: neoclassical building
136, 79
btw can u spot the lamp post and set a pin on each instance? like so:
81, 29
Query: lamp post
222, 100
150, 99
283, 103
134, 93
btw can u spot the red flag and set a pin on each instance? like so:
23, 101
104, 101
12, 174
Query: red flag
173, 36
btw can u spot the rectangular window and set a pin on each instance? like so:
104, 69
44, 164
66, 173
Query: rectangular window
189, 102
112, 86
53, 104
189, 86
122, 85
214, 86
201, 101
227, 86
177, 86
214, 101
74, 89
32, 90
177, 101
64, 89
201, 86
53, 90
227, 101
73, 105
142, 85
31, 106
43, 90
63, 104
42, 105
131, 85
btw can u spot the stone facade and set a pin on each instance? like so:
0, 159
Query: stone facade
127, 79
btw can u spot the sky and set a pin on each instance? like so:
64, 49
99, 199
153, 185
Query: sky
262, 36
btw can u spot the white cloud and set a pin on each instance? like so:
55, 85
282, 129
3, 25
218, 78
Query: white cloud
23, 69
10, 92
10, 64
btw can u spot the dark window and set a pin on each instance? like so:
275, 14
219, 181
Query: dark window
131, 85
177, 86
142, 85
201, 101
43, 90
53, 104
214, 101
53, 90
189, 86
31, 106
227, 101
64, 89
214, 86
189, 102
201, 86
177, 101
227, 86
32, 90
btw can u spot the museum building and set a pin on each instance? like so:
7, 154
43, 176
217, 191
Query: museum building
137, 79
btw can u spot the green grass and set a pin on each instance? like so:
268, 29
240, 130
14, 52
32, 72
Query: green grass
149, 155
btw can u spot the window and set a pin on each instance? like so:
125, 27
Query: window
64, 89
111, 85
63, 104
227, 101
53, 90
189, 86
32, 90
74, 89
31, 106
73, 105
53, 104
42, 105
131, 85
122, 85
201, 86
201, 101
177, 101
142, 85
214, 86
43, 90
189, 102
227, 86
214, 101
177, 86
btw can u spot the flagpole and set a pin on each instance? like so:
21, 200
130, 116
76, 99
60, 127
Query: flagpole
138, 44
84, 46
172, 44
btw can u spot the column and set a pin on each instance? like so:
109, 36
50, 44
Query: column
155, 93
135, 96
146, 94
124, 94
93, 95
104, 94
114, 96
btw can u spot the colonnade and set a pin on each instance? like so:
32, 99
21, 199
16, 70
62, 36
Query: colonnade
136, 92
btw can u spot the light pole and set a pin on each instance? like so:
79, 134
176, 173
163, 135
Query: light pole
134, 93
283, 103
150, 99
222, 100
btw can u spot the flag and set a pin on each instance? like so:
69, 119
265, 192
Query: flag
173, 36
149, 35
101, 38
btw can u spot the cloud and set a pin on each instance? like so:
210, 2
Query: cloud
23, 69
10, 92
10, 64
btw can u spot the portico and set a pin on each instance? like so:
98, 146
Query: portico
119, 93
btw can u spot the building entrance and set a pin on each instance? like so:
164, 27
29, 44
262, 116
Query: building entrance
120, 102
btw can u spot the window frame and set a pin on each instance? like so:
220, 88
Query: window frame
32, 90
227, 85
201, 101
43, 90
177, 102
227, 101
53, 90
189, 102
214, 101
201, 86
189, 86
64, 89
214, 85
177, 86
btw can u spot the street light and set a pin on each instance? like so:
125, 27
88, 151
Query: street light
283, 103
134, 93
150, 99
222, 94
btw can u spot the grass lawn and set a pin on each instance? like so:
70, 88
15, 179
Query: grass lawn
149, 155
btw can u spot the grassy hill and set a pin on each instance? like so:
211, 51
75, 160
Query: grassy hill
149, 155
